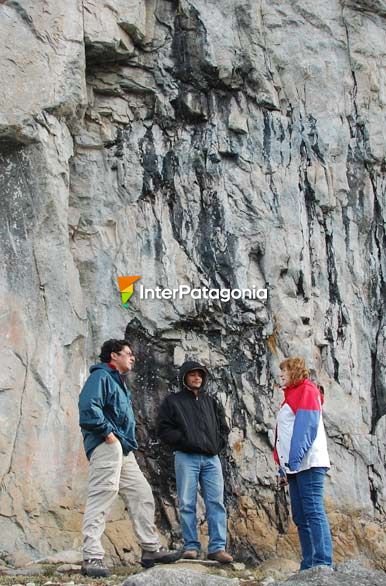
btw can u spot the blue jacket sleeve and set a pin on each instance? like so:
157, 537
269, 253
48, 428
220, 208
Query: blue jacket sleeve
91, 402
303, 436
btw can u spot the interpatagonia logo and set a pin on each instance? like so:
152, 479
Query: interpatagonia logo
126, 287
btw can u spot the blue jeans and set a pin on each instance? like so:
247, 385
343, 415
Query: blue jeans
192, 470
306, 492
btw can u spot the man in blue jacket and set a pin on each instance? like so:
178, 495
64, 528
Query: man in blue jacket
107, 422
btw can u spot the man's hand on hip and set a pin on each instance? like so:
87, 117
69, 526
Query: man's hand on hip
111, 438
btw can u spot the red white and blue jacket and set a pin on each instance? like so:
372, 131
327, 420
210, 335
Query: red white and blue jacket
300, 437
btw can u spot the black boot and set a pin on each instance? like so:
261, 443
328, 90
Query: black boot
160, 556
95, 568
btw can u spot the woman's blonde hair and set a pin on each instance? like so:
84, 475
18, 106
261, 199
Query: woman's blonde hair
296, 368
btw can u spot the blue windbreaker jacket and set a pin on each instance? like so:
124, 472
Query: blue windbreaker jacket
105, 407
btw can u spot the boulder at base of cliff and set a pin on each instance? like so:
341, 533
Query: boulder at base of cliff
174, 577
346, 574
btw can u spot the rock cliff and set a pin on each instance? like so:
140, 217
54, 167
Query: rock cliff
211, 143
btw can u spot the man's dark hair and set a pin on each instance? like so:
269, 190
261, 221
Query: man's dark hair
112, 346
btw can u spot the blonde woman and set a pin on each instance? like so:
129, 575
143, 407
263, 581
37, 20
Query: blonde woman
302, 456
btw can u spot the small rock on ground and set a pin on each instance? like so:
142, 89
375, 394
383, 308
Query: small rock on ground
237, 566
69, 569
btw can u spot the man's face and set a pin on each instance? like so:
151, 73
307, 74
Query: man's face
123, 360
194, 379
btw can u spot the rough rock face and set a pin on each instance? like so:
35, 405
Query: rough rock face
208, 143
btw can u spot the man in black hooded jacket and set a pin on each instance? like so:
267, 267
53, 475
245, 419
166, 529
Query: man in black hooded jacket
193, 424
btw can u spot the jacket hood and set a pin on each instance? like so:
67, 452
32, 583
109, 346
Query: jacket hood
188, 366
305, 383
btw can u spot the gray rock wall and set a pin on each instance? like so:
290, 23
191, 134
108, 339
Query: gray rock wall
215, 144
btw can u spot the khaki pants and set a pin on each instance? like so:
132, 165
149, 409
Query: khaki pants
111, 473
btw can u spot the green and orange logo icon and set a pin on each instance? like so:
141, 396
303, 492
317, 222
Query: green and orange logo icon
126, 287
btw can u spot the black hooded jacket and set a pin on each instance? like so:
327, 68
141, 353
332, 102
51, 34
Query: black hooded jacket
193, 424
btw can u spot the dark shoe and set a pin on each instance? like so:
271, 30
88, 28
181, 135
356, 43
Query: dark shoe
190, 554
95, 568
161, 556
220, 556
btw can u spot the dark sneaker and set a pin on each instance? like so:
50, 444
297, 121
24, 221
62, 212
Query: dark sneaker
190, 554
220, 556
160, 556
94, 568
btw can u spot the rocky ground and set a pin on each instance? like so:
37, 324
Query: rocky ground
201, 573
46, 574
